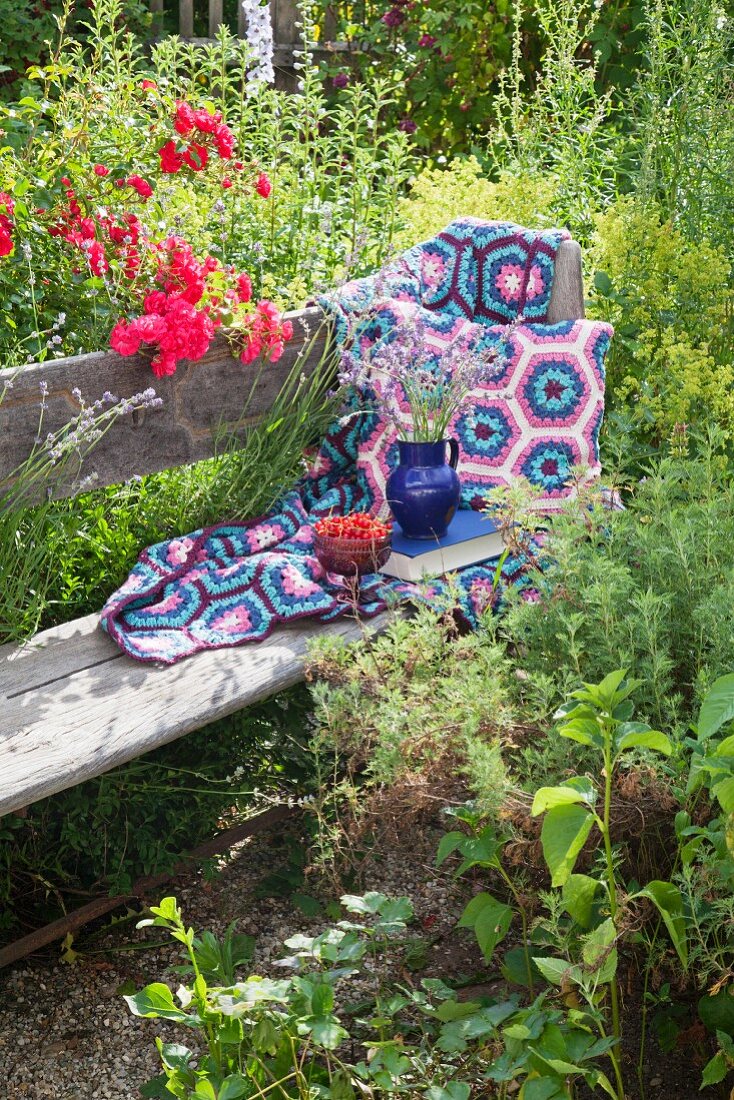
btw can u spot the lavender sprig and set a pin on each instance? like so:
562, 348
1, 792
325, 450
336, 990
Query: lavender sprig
402, 368
51, 456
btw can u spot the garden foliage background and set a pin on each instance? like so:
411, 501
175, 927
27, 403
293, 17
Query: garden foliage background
616, 120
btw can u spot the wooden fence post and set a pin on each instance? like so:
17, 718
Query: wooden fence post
186, 18
215, 17
284, 14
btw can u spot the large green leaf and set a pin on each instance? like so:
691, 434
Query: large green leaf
669, 902
584, 730
515, 967
599, 953
558, 971
717, 708
233, 1087
578, 896
490, 920
448, 844
724, 792
564, 833
546, 798
715, 1070
642, 739
543, 1088
156, 1001
327, 1031
451, 1090
717, 1012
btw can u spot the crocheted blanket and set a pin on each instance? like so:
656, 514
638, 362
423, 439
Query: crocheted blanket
235, 582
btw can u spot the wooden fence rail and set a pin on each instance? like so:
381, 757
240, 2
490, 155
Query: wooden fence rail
199, 401
283, 14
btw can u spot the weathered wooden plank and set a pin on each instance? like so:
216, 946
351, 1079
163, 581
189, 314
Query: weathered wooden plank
53, 655
74, 728
284, 15
197, 400
215, 17
186, 18
567, 294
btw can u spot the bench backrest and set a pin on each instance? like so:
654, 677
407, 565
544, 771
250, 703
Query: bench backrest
198, 400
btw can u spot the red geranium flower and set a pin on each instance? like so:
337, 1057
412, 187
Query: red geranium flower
263, 185
171, 161
196, 156
142, 186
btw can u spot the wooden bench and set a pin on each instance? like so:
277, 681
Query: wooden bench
72, 706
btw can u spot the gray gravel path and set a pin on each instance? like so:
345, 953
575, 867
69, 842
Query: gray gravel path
65, 1031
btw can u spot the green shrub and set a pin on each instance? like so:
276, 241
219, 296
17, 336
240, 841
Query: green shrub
463, 187
402, 718
683, 114
648, 588
30, 26
335, 174
450, 64
670, 300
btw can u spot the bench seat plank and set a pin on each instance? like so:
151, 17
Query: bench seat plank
74, 706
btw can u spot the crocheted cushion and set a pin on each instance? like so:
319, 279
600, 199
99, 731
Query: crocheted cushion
474, 270
536, 419
514, 268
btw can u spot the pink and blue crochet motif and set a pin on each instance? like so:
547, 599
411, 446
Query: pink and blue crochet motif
235, 582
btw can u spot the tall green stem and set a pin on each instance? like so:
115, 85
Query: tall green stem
615, 1053
524, 923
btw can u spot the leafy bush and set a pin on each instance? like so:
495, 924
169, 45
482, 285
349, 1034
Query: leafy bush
647, 588
435, 701
439, 194
450, 64
670, 300
684, 118
30, 26
101, 115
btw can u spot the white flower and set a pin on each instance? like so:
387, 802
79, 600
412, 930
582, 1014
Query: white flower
259, 35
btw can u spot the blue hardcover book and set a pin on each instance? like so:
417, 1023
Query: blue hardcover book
471, 537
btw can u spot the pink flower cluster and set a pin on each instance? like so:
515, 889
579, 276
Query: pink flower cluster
206, 133
6, 223
97, 234
181, 316
265, 333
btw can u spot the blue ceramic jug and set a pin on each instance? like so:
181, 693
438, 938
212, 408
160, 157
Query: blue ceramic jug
423, 490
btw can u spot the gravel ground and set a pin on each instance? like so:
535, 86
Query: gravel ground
65, 1031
